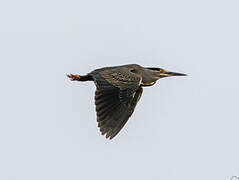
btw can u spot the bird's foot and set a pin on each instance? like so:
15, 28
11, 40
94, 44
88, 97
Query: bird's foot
73, 77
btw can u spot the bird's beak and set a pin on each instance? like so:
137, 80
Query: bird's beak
164, 73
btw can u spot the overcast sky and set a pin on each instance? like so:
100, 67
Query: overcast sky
183, 127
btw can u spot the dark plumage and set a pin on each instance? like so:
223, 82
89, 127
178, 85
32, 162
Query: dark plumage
118, 89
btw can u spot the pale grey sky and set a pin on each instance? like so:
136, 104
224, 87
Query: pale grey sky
183, 127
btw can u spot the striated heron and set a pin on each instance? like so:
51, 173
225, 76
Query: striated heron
118, 89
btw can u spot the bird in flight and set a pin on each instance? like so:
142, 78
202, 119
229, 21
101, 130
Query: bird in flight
118, 89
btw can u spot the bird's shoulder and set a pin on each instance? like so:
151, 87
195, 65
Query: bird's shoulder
120, 77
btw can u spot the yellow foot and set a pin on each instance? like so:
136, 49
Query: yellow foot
73, 77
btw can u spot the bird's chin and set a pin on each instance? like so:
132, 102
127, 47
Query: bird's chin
163, 76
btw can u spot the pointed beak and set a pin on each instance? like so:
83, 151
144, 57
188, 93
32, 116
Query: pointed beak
164, 73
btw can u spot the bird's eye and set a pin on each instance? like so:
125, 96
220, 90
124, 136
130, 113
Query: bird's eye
133, 70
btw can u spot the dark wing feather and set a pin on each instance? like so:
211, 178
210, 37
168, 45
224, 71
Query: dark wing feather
115, 101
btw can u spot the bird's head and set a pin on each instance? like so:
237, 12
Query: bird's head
161, 73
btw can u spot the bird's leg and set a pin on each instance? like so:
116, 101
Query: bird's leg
79, 78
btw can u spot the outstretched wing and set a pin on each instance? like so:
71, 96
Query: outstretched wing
115, 98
